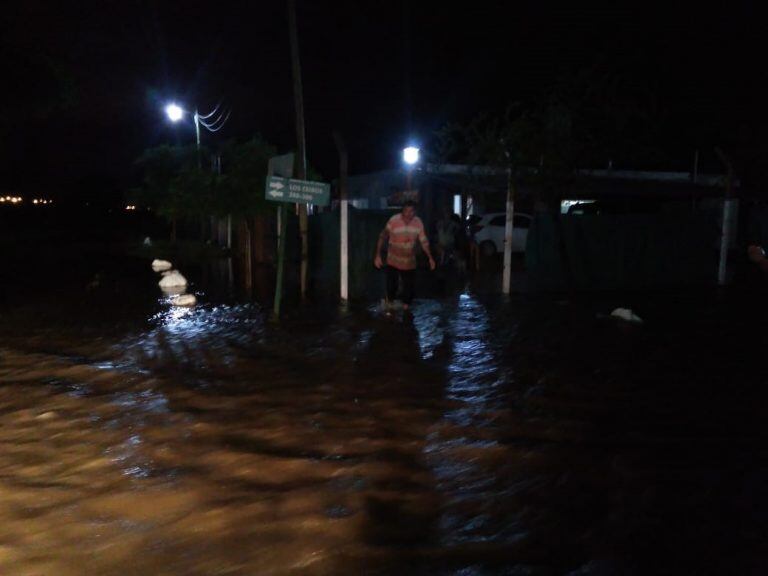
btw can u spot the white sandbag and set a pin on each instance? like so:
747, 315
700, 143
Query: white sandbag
184, 300
173, 290
172, 280
626, 315
160, 265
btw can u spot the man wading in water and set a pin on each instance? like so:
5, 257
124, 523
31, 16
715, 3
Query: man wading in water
402, 231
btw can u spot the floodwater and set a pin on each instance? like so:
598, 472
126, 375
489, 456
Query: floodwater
476, 436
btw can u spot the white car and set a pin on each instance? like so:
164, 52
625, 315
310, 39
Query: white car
489, 233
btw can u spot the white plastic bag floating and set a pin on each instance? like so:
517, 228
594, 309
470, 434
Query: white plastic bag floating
184, 300
626, 315
160, 265
172, 280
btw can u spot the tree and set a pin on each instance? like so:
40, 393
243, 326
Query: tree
172, 185
175, 188
518, 138
240, 189
608, 111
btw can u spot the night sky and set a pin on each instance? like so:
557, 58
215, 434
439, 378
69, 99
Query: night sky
86, 81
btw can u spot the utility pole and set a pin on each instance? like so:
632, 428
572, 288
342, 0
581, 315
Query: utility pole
300, 169
344, 217
284, 166
729, 208
282, 225
197, 139
509, 228
406, 59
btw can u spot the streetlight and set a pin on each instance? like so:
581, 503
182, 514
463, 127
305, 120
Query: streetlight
411, 155
174, 112
213, 122
410, 158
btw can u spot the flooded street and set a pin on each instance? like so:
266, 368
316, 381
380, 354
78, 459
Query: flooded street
475, 436
300, 288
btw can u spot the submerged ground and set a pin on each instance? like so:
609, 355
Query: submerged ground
478, 435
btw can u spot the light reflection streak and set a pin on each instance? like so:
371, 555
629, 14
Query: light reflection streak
472, 387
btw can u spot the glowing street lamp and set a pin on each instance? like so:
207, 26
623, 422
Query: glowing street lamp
411, 155
174, 112
212, 122
410, 159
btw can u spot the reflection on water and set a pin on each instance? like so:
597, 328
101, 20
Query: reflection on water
468, 438
461, 451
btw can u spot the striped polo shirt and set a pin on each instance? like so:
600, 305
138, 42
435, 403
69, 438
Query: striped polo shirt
402, 240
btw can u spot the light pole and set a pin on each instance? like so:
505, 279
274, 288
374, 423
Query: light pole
410, 158
213, 121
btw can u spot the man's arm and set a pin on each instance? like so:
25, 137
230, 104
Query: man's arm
379, 245
425, 246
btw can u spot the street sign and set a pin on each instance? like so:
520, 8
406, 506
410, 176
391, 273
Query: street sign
298, 191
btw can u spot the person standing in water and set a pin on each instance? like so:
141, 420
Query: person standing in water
401, 233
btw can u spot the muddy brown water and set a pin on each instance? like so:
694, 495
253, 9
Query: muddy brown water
476, 436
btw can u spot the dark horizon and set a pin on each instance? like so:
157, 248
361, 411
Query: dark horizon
88, 85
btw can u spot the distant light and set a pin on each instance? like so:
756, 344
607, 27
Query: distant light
174, 112
130, 207
411, 155
34, 201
